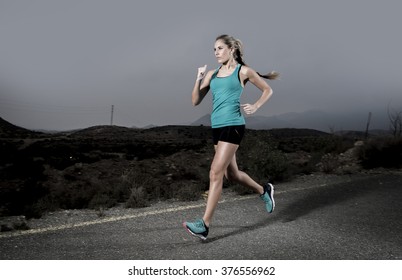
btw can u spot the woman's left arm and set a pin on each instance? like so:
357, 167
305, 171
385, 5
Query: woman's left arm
266, 91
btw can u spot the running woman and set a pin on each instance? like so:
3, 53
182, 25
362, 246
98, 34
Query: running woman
228, 124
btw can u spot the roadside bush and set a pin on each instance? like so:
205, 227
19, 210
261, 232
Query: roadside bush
102, 200
281, 157
274, 166
329, 163
21, 187
381, 152
136, 182
75, 189
187, 190
263, 161
323, 144
303, 163
138, 198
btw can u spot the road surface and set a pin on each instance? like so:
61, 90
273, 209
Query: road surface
360, 218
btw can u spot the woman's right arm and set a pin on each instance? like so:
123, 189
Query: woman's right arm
201, 86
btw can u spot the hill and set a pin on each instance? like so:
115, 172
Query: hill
8, 130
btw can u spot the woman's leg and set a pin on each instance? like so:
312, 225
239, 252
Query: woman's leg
266, 193
233, 174
224, 153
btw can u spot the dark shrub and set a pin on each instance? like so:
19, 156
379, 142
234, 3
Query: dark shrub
381, 152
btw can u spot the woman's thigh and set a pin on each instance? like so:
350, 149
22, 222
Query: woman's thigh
224, 154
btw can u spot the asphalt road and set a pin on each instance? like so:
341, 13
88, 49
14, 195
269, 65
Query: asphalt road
357, 219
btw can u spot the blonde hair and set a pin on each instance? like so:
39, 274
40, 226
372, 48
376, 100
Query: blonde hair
237, 46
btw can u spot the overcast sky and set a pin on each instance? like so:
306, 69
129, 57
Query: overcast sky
64, 63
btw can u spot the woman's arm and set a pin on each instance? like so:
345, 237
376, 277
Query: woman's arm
266, 91
201, 86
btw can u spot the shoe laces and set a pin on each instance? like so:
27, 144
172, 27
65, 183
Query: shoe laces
200, 224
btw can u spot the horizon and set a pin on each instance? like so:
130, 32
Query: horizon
257, 122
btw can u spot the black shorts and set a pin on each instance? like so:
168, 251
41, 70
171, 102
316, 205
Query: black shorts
231, 134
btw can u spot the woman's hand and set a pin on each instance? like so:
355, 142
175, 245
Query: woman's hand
249, 108
201, 88
202, 71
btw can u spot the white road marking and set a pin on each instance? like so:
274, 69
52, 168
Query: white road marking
131, 216
100, 221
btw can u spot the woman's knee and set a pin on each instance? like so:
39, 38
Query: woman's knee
215, 174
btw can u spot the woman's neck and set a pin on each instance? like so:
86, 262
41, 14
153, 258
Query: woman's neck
230, 64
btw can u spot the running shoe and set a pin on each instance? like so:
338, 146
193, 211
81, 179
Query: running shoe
197, 228
268, 197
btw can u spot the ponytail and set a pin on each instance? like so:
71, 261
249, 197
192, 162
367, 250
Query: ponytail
273, 75
237, 45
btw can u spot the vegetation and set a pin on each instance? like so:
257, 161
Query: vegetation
105, 166
381, 152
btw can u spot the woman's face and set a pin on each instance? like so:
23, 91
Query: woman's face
222, 52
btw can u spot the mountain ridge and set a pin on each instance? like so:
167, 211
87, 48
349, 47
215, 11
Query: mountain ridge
313, 119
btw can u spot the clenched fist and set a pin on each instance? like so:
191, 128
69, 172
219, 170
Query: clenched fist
201, 72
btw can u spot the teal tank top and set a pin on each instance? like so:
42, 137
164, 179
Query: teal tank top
226, 92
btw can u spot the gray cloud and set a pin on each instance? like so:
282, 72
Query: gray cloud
64, 63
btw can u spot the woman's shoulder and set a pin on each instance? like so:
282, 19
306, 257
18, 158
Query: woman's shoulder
211, 72
246, 70
209, 75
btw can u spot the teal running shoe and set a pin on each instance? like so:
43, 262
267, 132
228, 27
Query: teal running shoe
197, 228
268, 197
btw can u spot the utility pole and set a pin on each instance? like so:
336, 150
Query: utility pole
111, 116
368, 124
